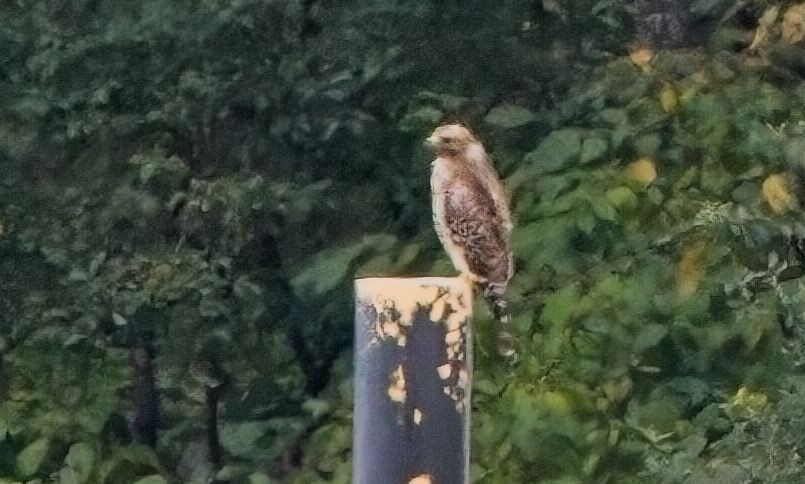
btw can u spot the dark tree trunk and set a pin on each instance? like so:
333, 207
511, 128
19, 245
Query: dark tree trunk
146, 415
213, 395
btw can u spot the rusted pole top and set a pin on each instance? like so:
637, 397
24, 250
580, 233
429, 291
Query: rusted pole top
413, 361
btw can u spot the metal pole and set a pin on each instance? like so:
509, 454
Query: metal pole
413, 361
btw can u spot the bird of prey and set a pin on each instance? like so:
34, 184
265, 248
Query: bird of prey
472, 219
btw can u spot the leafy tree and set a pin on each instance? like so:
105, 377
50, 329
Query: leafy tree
190, 187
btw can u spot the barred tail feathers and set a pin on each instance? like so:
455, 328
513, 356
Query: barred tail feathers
495, 296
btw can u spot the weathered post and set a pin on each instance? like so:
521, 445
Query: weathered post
413, 361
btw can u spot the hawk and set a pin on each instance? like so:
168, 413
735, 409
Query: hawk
472, 219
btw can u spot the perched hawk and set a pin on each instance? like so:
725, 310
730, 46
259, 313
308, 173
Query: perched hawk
472, 220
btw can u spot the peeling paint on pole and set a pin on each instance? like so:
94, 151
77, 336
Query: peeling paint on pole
413, 361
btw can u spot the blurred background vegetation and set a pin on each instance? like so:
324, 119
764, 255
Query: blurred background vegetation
189, 187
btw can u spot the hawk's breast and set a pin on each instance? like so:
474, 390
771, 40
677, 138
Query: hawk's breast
469, 226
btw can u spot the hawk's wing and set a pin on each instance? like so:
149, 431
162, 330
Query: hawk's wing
473, 224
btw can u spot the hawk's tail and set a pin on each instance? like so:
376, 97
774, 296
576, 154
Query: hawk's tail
495, 295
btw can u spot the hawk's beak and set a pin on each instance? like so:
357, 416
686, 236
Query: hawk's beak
432, 143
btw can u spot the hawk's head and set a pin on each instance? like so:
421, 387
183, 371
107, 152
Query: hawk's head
451, 139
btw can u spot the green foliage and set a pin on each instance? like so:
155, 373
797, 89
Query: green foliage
208, 177
508, 116
557, 151
31, 458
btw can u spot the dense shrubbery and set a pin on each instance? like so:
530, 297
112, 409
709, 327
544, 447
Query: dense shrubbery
189, 187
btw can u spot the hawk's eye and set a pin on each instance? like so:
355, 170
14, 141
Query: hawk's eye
444, 139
